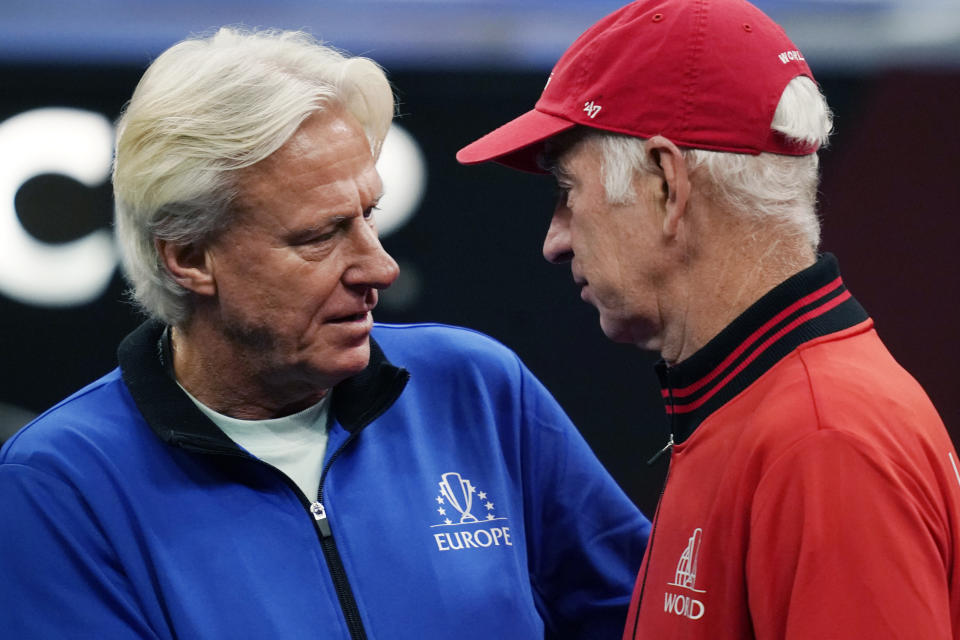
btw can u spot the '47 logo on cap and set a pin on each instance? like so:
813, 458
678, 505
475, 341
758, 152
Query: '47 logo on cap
591, 109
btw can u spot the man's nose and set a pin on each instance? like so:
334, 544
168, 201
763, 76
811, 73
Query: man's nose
374, 267
556, 245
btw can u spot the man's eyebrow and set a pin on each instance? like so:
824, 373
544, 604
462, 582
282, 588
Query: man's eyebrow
546, 161
305, 233
551, 161
560, 171
555, 155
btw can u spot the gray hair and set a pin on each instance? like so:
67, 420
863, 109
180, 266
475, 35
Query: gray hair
766, 187
206, 108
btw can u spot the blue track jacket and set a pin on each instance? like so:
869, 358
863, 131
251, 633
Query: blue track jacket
457, 502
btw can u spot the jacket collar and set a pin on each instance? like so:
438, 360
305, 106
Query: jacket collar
810, 304
146, 367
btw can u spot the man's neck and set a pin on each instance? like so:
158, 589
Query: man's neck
722, 283
210, 368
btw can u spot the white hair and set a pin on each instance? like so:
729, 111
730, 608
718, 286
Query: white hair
767, 187
206, 108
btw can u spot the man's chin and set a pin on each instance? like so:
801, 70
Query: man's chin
326, 368
615, 331
628, 332
346, 363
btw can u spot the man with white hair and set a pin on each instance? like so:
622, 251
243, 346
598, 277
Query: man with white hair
813, 490
265, 462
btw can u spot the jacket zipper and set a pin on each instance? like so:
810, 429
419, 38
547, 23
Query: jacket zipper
666, 448
656, 516
348, 603
653, 533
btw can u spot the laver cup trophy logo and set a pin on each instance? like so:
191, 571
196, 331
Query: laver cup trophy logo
459, 494
686, 601
460, 530
686, 575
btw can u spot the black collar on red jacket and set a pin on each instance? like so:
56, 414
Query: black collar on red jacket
145, 366
810, 304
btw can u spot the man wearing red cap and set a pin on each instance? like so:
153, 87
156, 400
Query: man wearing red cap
813, 490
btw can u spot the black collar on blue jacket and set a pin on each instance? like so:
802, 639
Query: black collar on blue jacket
145, 366
810, 304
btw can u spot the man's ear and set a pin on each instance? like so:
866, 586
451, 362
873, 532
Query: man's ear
189, 265
676, 182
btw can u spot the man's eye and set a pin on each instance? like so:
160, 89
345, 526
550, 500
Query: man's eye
369, 212
310, 239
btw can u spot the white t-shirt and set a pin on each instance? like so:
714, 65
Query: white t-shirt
294, 444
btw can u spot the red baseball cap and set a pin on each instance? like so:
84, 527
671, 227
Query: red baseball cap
706, 74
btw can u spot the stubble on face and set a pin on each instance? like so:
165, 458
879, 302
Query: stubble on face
249, 337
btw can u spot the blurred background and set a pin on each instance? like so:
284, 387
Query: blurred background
468, 238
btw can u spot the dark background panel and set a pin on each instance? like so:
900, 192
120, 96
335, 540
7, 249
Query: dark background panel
47, 353
890, 197
471, 254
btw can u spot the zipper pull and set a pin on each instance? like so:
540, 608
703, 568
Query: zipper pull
657, 455
320, 515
